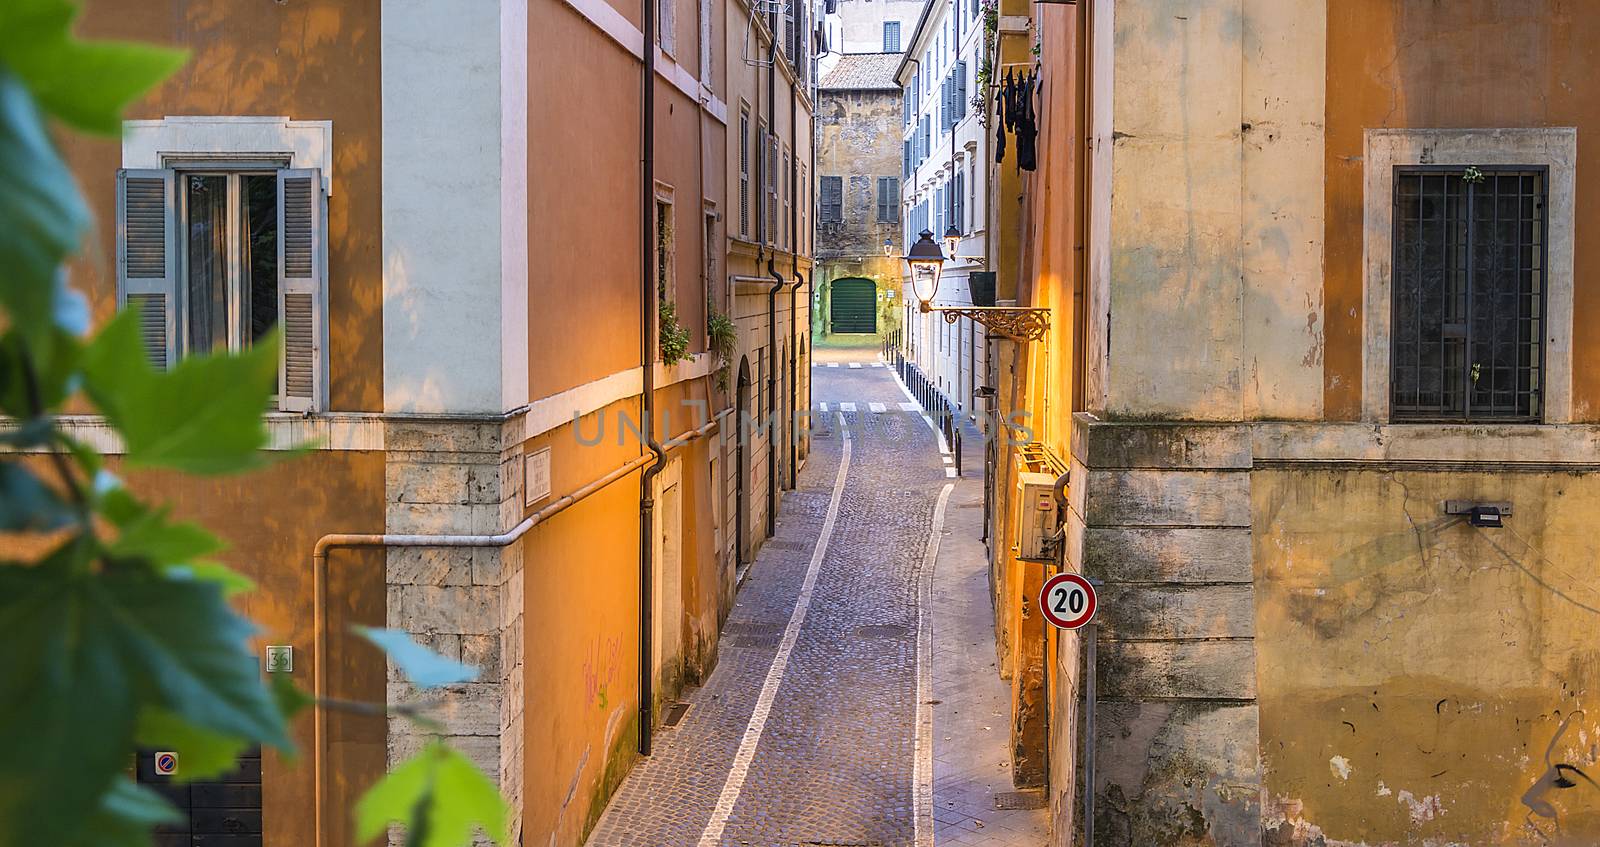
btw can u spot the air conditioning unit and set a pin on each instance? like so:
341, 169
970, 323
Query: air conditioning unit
1036, 517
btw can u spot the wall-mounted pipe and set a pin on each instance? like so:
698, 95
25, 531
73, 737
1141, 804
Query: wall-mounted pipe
319, 589
648, 310
772, 293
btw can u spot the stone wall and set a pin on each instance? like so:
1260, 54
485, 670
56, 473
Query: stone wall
1161, 512
460, 477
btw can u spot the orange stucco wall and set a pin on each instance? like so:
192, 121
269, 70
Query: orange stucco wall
270, 520
584, 196
1470, 63
581, 595
315, 60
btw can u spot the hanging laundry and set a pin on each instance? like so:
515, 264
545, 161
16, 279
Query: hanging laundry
1028, 124
1013, 105
1000, 122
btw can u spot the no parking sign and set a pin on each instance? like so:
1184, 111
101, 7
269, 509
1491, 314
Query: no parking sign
166, 764
1068, 601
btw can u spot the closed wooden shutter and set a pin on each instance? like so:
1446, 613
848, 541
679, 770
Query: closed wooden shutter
147, 258
302, 248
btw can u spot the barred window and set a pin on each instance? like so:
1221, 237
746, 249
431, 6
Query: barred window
832, 200
1469, 293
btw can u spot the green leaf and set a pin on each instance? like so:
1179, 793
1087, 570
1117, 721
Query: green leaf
65, 697
85, 83
126, 814
425, 668
204, 416
229, 580
290, 699
440, 796
84, 654
26, 504
205, 753
42, 217
152, 536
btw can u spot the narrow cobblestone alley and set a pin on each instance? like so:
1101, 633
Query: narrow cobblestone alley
807, 731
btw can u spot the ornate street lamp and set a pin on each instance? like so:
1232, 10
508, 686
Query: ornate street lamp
926, 262
888, 248
952, 240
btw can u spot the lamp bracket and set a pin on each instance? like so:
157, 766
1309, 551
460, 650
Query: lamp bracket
1017, 324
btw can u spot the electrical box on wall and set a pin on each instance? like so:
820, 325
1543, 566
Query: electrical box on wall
1036, 516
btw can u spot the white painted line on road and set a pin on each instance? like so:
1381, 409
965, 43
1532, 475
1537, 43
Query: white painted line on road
833, 364
948, 460
824, 406
922, 763
877, 364
950, 472
877, 407
847, 407
910, 407
740, 770
855, 364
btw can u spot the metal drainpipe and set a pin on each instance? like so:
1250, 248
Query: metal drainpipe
791, 448
319, 590
647, 356
778, 283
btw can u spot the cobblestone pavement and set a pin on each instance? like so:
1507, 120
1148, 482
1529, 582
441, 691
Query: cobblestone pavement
828, 756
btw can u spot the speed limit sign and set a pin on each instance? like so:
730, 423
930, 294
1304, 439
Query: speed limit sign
1067, 600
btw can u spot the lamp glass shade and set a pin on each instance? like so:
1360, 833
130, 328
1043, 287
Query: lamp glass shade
952, 241
888, 247
926, 262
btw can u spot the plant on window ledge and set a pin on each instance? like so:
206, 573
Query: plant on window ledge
1472, 174
724, 338
674, 341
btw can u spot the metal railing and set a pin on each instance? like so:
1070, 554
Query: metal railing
933, 400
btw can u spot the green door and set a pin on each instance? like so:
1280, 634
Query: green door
854, 306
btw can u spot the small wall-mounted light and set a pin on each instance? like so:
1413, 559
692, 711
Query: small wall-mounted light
888, 248
1479, 514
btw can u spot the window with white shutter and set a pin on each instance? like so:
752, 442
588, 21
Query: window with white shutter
219, 255
147, 257
744, 173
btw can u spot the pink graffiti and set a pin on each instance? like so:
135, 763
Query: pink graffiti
600, 669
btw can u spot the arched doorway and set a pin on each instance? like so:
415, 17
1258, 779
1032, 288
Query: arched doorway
741, 463
853, 306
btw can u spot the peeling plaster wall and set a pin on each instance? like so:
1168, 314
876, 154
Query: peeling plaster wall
1213, 207
1413, 669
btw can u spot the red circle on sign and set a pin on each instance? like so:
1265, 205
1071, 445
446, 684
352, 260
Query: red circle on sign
1073, 603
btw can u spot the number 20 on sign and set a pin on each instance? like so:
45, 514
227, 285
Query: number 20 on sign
1068, 601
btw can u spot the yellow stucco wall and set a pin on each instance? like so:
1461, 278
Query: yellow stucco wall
1413, 669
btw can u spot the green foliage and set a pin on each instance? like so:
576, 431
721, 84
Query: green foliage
724, 337
119, 632
439, 795
674, 339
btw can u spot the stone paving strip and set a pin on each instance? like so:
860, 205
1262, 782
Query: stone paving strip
834, 760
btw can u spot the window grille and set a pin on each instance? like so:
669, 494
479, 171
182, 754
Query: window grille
1469, 293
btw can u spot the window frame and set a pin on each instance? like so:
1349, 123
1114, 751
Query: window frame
232, 169
1467, 414
886, 46
1554, 148
836, 204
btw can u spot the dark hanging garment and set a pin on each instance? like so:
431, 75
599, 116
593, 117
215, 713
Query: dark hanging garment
1028, 125
1000, 123
1012, 106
